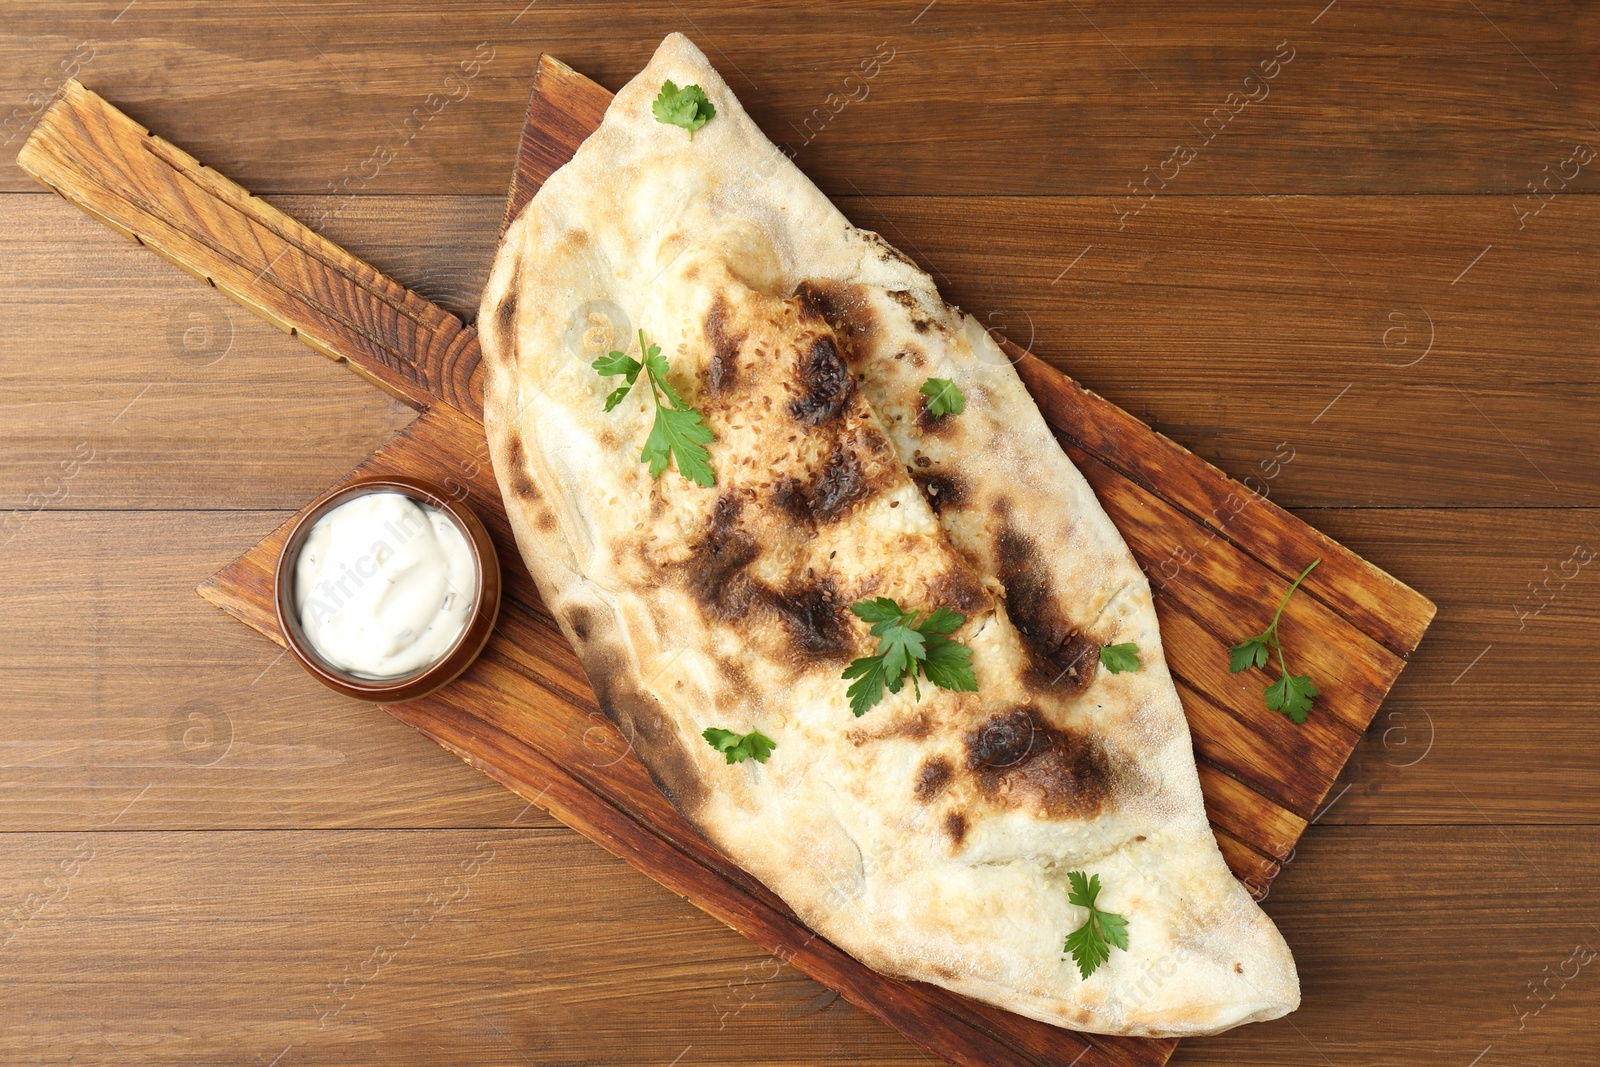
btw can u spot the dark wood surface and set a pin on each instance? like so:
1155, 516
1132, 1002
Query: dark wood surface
1217, 325
524, 713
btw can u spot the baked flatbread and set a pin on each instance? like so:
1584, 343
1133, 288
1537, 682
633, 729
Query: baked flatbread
931, 838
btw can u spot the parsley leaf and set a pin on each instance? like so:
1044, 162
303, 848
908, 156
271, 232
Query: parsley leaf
1090, 944
1120, 658
679, 432
899, 646
867, 689
948, 665
618, 363
944, 398
686, 107
740, 747
941, 621
1251, 652
1291, 694
877, 610
907, 648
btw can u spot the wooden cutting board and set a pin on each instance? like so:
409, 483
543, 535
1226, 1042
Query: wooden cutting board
1219, 556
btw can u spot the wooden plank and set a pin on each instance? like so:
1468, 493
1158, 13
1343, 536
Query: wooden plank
563, 113
1519, 614
129, 705
1462, 966
1225, 333
295, 96
206, 444
280, 269
280, 930
598, 971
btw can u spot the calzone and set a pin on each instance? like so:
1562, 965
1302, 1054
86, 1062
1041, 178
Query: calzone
934, 836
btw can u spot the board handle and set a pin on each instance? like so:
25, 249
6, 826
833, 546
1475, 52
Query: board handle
564, 107
140, 185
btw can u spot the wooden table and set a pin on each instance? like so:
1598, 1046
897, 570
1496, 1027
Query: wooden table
1348, 292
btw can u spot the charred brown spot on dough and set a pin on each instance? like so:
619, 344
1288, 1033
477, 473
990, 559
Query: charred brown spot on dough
844, 307
1059, 657
919, 321
825, 383
815, 618
505, 312
733, 678
955, 824
839, 486
722, 369
960, 589
522, 486
1065, 669
1002, 741
912, 727
644, 729
716, 566
886, 251
929, 423
933, 778
1238, 968
941, 490
581, 622
789, 493
1019, 758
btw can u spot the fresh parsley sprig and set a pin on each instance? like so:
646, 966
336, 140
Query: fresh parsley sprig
740, 747
1291, 694
944, 397
1120, 658
686, 107
907, 648
679, 432
1090, 944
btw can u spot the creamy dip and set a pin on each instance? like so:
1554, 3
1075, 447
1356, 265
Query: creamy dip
384, 585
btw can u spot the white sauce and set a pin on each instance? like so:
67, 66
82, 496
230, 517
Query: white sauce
384, 585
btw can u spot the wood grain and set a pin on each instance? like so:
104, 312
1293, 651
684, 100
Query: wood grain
1226, 318
153, 192
1224, 330
1260, 796
113, 678
496, 946
528, 748
1074, 100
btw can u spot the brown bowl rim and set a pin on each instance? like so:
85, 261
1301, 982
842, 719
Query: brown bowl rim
457, 658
